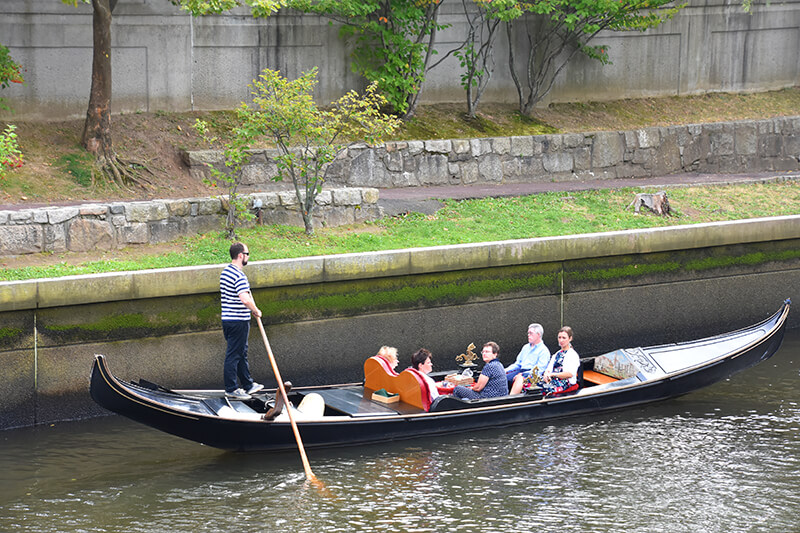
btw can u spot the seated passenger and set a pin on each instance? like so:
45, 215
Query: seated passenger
492, 382
389, 354
533, 355
421, 361
562, 370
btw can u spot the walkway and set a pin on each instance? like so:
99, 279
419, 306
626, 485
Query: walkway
426, 199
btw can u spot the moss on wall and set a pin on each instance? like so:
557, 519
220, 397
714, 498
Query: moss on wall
405, 292
131, 319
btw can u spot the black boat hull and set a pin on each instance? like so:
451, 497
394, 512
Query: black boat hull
178, 416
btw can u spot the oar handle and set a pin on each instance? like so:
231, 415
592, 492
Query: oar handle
309, 474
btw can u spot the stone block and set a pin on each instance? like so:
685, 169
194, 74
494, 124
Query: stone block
490, 168
61, 214
501, 145
791, 146
551, 143
370, 195
146, 211
433, 170
722, 143
268, 199
178, 208
696, 152
55, 238
438, 146
469, 172
165, 231
745, 139
39, 216
479, 147
648, 138
573, 140
405, 179
608, 149
324, 198
90, 234
460, 146
393, 161
93, 210
511, 168
338, 216
667, 157
346, 197
288, 199
367, 170
207, 206
583, 158
769, 146
557, 162
522, 146
4, 217
20, 240
136, 233
24, 216
258, 173
118, 221
415, 147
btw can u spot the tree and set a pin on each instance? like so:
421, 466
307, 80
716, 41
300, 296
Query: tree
555, 30
307, 138
96, 137
394, 42
476, 55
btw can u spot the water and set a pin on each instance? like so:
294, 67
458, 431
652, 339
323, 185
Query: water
724, 459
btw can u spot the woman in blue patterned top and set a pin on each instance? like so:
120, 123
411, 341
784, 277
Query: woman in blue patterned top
492, 382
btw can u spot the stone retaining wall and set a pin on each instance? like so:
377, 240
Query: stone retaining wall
105, 226
743, 146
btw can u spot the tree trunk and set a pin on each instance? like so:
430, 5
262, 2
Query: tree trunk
97, 128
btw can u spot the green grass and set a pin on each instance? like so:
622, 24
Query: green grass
460, 222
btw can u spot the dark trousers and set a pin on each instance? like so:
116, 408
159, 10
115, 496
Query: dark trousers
236, 365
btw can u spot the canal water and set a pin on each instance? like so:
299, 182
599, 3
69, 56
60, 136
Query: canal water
724, 459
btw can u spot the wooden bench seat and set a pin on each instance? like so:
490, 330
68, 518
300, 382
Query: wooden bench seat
595, 378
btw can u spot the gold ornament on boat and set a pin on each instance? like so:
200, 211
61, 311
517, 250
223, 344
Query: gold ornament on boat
468, 358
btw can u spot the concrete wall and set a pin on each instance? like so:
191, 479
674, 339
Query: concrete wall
325, 315
744, 146
83, 228
165, 60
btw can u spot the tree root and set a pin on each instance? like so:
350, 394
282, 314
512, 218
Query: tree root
127, 174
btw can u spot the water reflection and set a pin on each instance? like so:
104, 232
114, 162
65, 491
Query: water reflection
722, 459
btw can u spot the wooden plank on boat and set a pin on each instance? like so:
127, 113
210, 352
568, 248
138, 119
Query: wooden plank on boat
353, 403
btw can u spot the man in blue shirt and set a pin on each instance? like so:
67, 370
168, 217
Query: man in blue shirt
533, 355
237, 306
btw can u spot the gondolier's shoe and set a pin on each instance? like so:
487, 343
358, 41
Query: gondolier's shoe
254, 388
238, 394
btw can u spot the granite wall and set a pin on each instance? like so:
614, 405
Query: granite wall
105, 226
726, 147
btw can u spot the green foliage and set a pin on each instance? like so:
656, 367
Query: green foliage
561, 28
231, 178
9, 72
392, 41
10, 154
308, 139
259, 8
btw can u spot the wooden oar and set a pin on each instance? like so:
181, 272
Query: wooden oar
309, 474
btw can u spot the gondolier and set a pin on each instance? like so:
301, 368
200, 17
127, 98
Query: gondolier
237, 306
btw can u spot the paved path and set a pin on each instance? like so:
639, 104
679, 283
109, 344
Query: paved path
426, 199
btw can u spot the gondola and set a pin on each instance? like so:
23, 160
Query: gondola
350, 414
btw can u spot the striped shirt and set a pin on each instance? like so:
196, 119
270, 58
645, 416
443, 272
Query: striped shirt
232, 283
